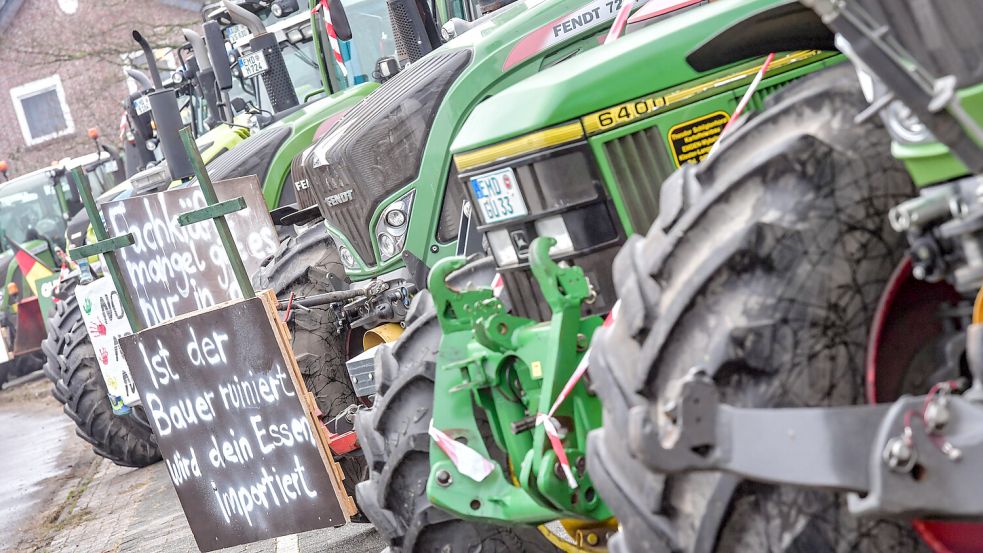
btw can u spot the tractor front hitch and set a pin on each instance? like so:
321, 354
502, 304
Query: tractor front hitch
509, 370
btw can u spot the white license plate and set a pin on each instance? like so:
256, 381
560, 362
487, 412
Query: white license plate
498, 195
253, 64
141, 105
236, 32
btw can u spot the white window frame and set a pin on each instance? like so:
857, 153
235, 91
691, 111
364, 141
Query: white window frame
24, 91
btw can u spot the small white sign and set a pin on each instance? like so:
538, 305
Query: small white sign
141, 105
498, 195
253, 64
106, 323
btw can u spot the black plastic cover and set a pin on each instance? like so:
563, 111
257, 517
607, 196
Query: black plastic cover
252, 157
378, 146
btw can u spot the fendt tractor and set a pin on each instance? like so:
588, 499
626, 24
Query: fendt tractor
797, 361
34, 210
392, 225
284, 110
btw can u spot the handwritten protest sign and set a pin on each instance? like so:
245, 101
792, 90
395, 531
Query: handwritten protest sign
106, 322
234, 424
172, 270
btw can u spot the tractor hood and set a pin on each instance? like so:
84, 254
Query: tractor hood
638, 63
267, 154
397, 140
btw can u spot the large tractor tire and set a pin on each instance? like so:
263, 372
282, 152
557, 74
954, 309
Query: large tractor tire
305, 265
59, 328
394, 436
765, 269
128, 440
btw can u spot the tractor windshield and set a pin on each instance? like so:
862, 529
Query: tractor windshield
29, 209
372, 38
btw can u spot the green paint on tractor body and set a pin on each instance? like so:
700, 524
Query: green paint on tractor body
633, 111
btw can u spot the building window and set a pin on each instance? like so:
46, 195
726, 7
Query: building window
42, 110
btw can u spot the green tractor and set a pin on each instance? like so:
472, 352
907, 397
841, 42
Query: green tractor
275, 116
34, 210
395, 226
797, 362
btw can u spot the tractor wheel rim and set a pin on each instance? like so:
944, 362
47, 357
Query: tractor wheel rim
882, 380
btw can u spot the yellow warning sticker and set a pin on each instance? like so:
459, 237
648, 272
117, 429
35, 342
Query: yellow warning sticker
691, 141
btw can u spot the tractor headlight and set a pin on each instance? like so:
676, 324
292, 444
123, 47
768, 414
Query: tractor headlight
396, 218
347, 259
391, 229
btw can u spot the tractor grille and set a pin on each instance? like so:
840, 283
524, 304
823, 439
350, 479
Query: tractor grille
639, 162
378, 146
527, 299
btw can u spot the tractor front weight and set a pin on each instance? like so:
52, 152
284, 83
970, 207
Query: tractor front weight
496, 376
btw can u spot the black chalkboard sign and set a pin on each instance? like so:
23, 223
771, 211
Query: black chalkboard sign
234, 424
172, 270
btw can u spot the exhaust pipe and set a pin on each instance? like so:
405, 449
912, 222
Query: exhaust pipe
140, 123
416, 34
277, 81
167, 116
206, 76
219, 57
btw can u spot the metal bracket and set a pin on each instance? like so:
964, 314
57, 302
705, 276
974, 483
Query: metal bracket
101, 247
220, 209
106, 246
850, 449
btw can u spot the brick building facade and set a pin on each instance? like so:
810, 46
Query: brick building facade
61, 70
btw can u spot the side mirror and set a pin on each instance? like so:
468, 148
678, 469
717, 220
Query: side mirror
339, 19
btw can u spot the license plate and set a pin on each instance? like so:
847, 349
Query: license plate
141, 105
236, 32
498, 195
253, 64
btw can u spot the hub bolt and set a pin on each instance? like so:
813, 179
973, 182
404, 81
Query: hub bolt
592, 539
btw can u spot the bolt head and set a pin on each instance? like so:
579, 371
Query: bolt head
444, 478
898, 455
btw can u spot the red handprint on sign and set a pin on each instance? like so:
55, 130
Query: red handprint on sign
104, 355
98, 328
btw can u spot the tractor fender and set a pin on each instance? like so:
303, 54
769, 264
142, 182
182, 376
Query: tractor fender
785, 27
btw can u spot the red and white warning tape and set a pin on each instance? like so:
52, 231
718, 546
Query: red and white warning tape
498, 284
467, 461
561, 454
744, 100
332, 35
620, 21
547, 420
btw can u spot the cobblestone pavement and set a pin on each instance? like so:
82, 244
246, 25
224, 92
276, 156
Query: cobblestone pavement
136, 511
60, 497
